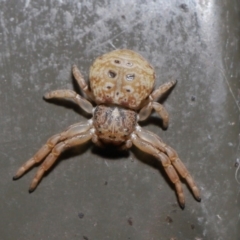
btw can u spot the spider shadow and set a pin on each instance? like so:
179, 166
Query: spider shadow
110, 152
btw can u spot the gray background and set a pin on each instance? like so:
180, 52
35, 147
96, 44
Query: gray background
98, 195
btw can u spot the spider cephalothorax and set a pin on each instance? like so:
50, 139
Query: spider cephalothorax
121, 84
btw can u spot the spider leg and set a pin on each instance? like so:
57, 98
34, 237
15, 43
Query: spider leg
126, 145
147, 109
145, 112
56, 151
161, 90
71, 95
162, 112
159, 149
81, 82
166, 163
50, 144
182, 170
155, 141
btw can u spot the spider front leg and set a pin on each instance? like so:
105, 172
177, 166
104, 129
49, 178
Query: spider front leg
147, 109
81, 82
73, 96
70, 132
152, 144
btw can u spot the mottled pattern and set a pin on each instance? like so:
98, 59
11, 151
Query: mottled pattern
114, 124
121, 77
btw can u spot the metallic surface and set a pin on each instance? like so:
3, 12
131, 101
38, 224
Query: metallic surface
94, 194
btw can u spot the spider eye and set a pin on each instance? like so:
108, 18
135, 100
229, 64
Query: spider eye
130, 77
112, 74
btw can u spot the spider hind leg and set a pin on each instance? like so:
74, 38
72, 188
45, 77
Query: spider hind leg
150, 143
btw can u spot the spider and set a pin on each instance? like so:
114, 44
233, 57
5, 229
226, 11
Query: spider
121, 86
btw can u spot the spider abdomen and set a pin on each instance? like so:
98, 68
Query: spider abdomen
121, 77
114, 124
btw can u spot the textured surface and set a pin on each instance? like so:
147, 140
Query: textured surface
121, 77
114, 124
92, 194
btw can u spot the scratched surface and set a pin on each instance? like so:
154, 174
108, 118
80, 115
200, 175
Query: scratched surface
91, 194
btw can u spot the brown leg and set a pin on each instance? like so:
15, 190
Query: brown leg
145, 112
152, 144
166, 163
160, 91
182, 170
56, 151
81, 82
155, 141
51, 142
73, 96
162, 112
